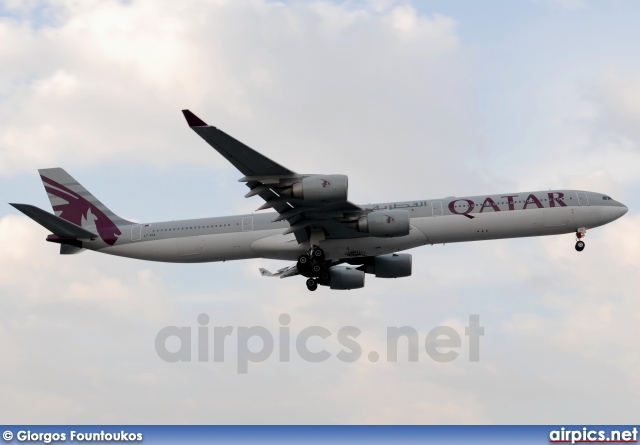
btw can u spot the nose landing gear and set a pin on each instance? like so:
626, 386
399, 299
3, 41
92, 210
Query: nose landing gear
580, 233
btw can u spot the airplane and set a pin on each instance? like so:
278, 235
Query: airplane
333, 241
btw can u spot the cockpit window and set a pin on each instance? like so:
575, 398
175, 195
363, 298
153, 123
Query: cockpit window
607, 198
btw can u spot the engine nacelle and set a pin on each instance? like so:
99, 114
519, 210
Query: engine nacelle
395, 265
345, 278
322, 188
389, 223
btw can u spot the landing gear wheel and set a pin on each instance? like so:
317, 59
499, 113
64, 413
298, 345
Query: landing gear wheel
304, 265
318, 254
580, 246
316, 268
311, 284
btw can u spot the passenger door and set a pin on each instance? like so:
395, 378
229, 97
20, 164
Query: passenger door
582, 199
247, 223
436, 208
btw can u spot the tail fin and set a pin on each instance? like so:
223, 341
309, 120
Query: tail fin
74, 203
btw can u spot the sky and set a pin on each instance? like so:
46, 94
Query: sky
412, 100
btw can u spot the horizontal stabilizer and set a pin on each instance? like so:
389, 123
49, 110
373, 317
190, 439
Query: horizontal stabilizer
66, 249
266, 273
285, 272
57, 225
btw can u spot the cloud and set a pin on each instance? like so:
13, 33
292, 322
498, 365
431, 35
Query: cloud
619, 93
105, 83
583, 136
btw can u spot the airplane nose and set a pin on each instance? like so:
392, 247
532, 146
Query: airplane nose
611, 213
620, 210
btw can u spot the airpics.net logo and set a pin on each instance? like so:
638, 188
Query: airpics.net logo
256, 344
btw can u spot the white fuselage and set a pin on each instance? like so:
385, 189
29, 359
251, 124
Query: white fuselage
447, 220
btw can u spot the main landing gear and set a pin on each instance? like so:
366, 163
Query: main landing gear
580, 233
313, 266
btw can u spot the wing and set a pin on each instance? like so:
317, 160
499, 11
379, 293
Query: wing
281, 189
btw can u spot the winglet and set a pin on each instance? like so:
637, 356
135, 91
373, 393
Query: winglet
193, 120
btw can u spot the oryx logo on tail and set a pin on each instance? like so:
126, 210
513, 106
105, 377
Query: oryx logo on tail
79, 211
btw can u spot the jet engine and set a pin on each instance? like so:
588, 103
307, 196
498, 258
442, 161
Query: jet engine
322, 188
385, 223
395, 265
345, 278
